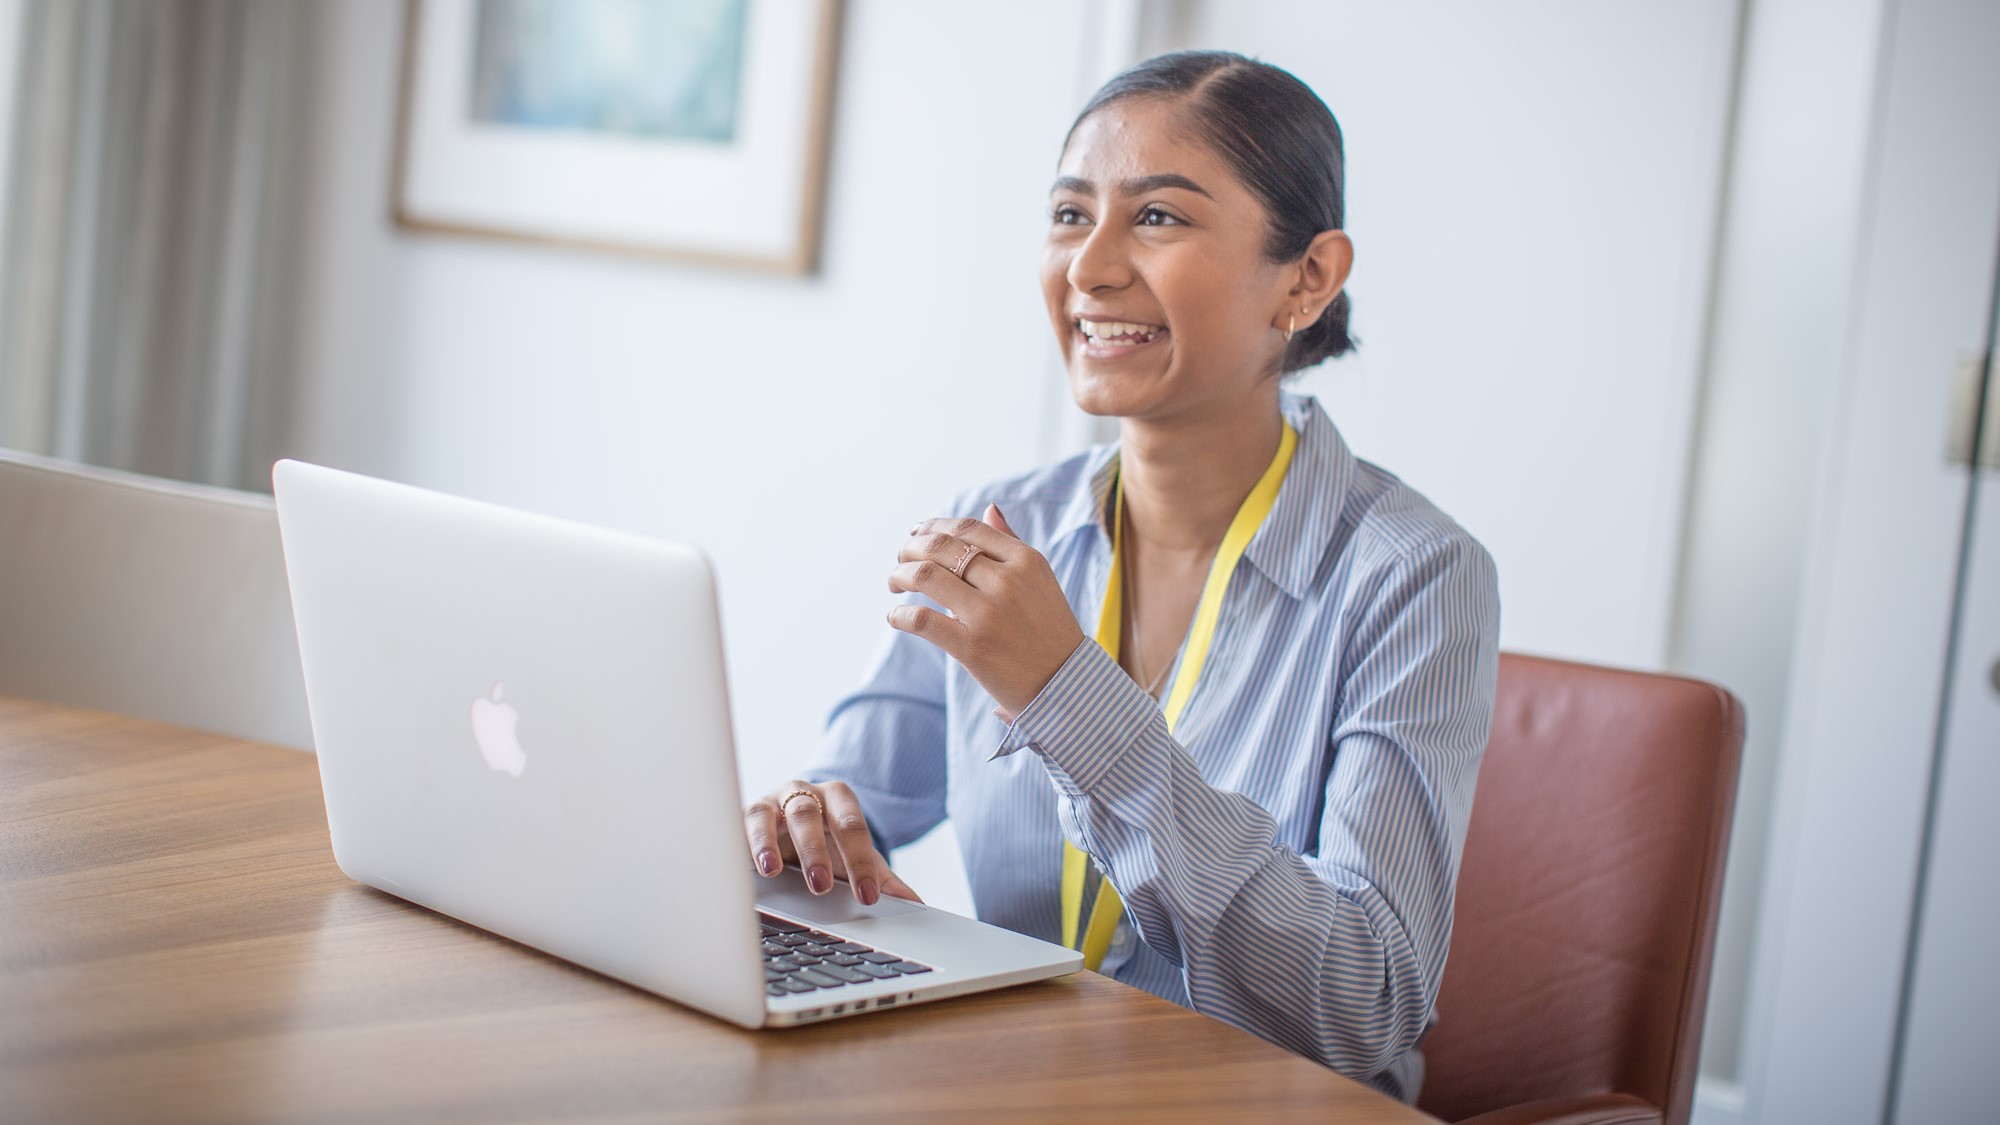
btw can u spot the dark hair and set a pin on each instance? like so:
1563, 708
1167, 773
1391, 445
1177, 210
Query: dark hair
1279, 139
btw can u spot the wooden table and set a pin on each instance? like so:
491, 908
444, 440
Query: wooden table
176, 944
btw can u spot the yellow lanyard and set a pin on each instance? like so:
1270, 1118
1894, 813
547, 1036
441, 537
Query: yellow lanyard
1105, 911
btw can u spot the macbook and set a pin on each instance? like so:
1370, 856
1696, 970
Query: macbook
524, 723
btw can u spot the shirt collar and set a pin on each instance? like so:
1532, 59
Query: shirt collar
1086, 507
1293, 540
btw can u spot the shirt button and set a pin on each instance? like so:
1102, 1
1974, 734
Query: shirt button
1121, 941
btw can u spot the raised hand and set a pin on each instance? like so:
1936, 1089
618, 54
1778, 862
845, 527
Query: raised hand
1010, 624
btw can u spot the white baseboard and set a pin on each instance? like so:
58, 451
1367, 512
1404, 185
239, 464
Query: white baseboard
1718, 1101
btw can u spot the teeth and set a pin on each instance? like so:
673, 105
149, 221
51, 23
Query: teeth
1108, 330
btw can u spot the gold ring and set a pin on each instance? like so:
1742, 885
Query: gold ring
785, 805
964, 560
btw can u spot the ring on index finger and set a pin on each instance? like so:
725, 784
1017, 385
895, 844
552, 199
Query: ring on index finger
785, 805
964, 560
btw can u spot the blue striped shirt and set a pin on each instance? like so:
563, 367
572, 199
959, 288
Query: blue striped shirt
1288, 855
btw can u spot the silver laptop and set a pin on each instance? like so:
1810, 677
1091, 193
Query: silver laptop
523, 723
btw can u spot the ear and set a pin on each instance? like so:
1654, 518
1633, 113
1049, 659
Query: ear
1322, 271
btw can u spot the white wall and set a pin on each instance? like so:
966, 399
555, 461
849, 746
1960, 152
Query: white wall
12, 13
1532, 191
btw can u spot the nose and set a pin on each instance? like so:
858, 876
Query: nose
1101, 262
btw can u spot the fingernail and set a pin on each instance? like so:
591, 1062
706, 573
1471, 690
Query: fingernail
916, 527
867, 892
818, 880
767, 862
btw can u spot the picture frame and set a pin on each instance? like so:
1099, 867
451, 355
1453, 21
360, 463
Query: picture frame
690, 130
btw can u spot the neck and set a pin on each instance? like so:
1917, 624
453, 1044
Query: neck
1185, 478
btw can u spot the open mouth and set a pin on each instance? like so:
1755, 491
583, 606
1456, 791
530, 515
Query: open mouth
1112, 336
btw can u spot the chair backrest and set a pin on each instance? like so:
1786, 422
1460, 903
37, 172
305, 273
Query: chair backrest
1587, 898
146, 597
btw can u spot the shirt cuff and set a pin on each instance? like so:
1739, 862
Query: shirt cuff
1088, 713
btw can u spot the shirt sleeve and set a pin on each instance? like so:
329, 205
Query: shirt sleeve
1336, 953
887, 741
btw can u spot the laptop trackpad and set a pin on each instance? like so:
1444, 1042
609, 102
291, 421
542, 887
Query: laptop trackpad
787, 894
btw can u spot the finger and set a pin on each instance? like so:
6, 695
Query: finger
996, 519
934, 581
959, 558
1000, 544
924, 622
933, 545
760, 825
865, 866
893, 884
805, 818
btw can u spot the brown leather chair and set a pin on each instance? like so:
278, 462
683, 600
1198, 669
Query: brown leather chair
1586, 911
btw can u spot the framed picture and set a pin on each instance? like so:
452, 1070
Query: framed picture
693, 129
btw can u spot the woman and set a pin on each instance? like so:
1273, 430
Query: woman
1268, 741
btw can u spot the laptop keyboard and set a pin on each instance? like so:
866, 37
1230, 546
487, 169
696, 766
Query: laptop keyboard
799, 959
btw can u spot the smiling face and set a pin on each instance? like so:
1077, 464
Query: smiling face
1155, 276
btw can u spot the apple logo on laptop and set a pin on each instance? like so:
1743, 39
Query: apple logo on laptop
493, 725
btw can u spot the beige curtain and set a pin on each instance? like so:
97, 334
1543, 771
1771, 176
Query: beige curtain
149, 255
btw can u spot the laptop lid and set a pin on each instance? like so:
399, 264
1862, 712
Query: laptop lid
524, 723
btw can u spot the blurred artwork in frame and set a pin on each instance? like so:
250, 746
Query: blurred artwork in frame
692, 129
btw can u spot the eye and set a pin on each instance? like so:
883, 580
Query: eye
1153, 216
1067, 216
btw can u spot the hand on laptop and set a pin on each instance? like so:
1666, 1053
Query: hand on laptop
822, 828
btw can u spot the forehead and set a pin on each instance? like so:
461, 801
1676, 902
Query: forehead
1141, 137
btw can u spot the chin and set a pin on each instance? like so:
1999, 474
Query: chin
1116, 396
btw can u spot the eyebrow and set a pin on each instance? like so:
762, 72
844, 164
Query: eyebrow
1138, 186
